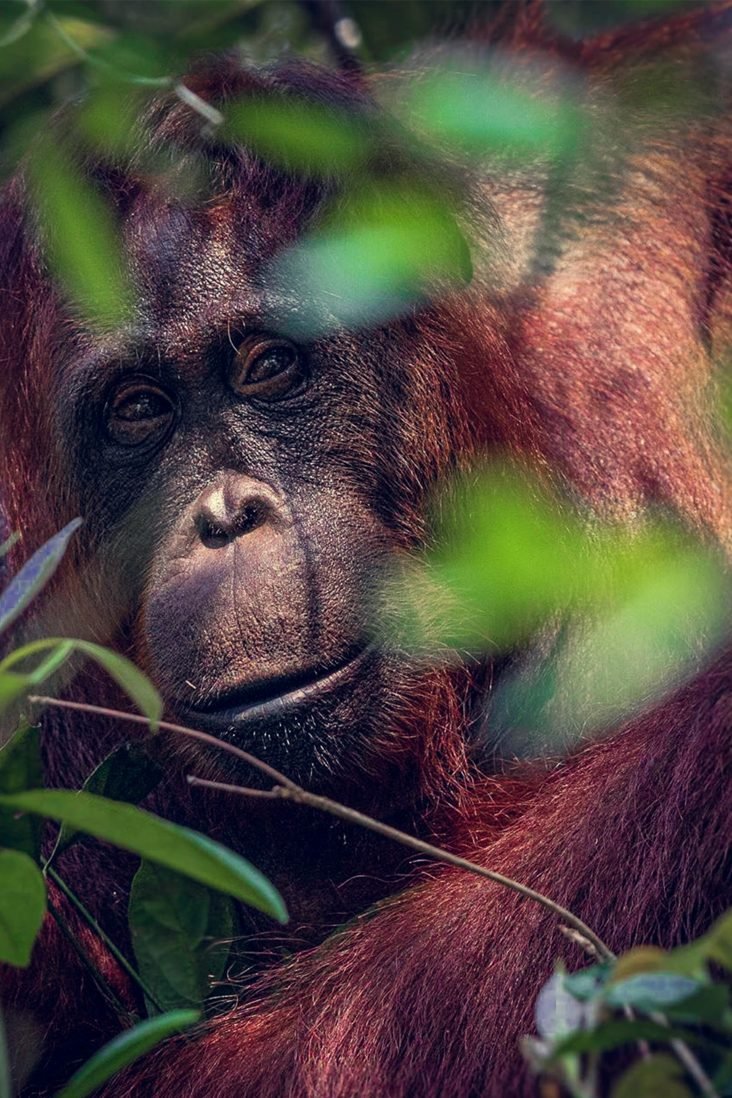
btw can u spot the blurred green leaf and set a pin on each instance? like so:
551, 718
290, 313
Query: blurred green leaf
110, 120
127, 774
715, 945
384, 251
709, 1006
485, 108
22, 906
20, 769
81, 237
650, 991
125, 1049
631, 613
650, 1078
588, 982
34, 574
41, 54
180, 934
612, 1035
12, 688
298, 135
160, 841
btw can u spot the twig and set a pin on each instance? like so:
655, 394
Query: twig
286, 789
94, 926
105, 988
334, 808
688, 1059
197, 104
135, 718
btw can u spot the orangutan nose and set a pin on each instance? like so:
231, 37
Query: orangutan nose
233, 507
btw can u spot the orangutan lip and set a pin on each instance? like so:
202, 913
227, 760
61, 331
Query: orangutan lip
257, 701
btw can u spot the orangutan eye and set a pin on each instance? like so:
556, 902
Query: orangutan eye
139, 411
268, 369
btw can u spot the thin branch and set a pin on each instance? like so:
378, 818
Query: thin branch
134, 718
286, 789
688, 1059
334, 808
94, 926
105, 988
200, 106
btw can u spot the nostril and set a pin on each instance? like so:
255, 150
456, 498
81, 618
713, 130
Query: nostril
212, 535
216, 532
250, 516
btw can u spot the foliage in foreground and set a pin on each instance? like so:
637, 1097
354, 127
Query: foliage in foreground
664, 1011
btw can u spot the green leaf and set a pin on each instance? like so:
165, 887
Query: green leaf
586, 983
658, 1075
127, 774
180, 934
22, 906
715, 945
21, 769
125, 1049
710, 1005
34, 574
612, 1035
136, 685
160, 841
81, 237
719, 942
385, 250
298, 135
484, 110
649, 991
14, 686
556, 1012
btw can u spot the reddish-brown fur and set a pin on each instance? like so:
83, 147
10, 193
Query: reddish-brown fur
596, 363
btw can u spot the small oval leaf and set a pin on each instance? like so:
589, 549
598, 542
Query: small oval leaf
180, 934
125, 1049
556, 1012
22, 906
127, 774
651, 991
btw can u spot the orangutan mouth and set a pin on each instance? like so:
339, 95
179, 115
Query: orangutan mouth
279, 695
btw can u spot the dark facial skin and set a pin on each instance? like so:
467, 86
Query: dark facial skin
253, 485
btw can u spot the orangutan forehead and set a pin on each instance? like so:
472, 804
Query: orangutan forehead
200, 261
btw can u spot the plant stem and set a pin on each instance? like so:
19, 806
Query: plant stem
286, 789
334, 808
135, 718
105, 988
93, 925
